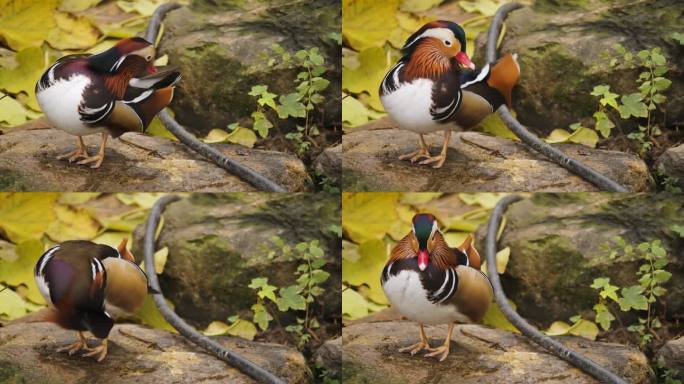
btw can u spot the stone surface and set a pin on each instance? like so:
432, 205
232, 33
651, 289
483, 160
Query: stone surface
475, 162
557, 249
329, 164
671, 164
208, 233
567, 39
28, 163
329, 357
136, 354
478, 355
223, 48
671, 355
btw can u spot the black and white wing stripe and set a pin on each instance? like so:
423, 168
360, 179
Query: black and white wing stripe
392, 79
95, 114
39, 273
481, 76
446, 97
447, 289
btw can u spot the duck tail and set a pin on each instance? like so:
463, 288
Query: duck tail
150, 94
505, 75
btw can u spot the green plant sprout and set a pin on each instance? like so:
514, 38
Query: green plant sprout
639, 105
298, 104
640, 297
294, 298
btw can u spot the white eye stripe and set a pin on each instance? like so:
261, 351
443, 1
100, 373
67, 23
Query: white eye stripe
434, 228
440, 33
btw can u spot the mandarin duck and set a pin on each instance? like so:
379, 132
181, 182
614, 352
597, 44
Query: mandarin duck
428, 282
434, 87
110, 93
86, 285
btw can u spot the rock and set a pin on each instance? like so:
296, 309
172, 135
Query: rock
671, 164
475, 162
207, 233
28, 163
329, 357
553, 38
671, 356
223, 48
557, 249
136, 354
329, 164
478, 355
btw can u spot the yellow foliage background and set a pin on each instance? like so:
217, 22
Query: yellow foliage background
34, 34
373, 33
30, 223
374, 222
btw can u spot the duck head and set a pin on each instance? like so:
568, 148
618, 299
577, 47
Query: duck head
424, 230
134, 54
436, 48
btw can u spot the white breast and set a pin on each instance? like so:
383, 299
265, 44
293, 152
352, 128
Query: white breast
60, 104
407, 295
409, 106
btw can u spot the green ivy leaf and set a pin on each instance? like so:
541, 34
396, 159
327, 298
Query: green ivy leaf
661, 83
264, 97
632, 106
265, 290
261, 123
261, 316
603, 316
678, 36
632, 298
603, 123
290, 298
290, 106
661, 276
319, 83
316, 57
600, 90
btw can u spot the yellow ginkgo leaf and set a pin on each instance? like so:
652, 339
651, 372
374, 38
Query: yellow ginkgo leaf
368, 23
11, 111
369, 216
419, 5
26, 23
373, 64
23, 78
367, 269
20, 271
77, 5
12, 306
354, 305
72, 224
26, 216
72, 32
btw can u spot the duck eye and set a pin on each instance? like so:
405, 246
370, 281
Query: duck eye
447, 43
149, 57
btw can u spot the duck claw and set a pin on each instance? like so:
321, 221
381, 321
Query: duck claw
439, 159
73, 155
97, 159
415, 156
99, 352
442, 350
415, 348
